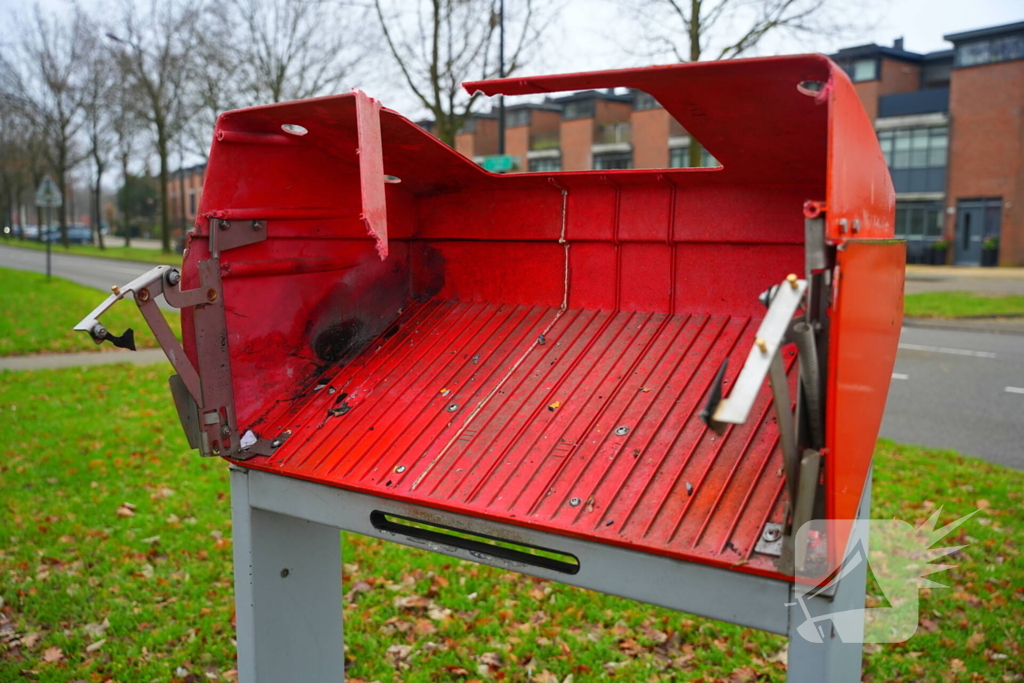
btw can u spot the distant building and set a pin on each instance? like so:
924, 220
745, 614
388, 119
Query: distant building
184, 190
951, 125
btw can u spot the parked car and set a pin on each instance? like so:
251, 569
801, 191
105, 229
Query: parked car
30, 232
77, 234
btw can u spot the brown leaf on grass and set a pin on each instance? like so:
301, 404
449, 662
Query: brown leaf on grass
977, 638
490, 659
424, 627
29, 640
53, 654
982, 503
96, 630
95, 646
545, 676
399, 655
126, 510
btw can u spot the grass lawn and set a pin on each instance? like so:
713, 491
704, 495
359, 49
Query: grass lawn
36, 315
115, 249
115, 565
961, 305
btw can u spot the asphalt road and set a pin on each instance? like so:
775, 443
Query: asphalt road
961, 390
98, 273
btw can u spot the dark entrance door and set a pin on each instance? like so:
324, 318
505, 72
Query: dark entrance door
976, 220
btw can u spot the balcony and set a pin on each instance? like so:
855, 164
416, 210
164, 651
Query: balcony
927, 101
544, 141
613, 133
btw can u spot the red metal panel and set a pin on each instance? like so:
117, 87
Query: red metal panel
865, 332
659, 271
371, 170
463, 410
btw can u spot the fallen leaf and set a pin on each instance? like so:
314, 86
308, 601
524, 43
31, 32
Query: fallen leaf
96, 630
53, 654
975, 639
125, 511
95, 646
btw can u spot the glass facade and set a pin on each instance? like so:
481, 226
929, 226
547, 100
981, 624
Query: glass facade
916, 157
990, 51
546, 165
679, 157
609, 162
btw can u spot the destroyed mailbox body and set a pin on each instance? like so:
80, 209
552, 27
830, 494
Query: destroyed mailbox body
372, 311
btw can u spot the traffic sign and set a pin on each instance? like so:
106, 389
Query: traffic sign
48, 194
500, 163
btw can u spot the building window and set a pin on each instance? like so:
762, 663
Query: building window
545, 165
608, 162
679, 157
990, 51
915, 147
468, 126
517, 117
580, 109
864, 70
643, 100
919, 220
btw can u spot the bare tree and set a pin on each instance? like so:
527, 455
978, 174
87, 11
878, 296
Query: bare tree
294, 50
127, 126
98, 91
442, 43
158, 59
54, 54
692, 30
216, 86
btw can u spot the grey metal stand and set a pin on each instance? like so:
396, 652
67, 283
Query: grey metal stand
287, 594
288, 580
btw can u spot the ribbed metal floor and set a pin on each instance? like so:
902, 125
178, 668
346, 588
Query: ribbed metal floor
591, 430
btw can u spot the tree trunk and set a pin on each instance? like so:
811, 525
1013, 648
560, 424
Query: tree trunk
99, 207
62, 214
165, 216
126, 203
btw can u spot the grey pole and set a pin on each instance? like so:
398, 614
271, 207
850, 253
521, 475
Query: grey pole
48, 240
501, 74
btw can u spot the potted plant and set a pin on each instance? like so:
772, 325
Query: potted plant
938, 253
990, 251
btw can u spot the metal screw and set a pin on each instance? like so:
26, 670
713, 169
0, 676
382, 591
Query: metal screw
276, 443
116, 290
99, 332
224, 225
762, 344
285, 573
211, 295
225, 431
791, 279
143, 295
400, 469
770, 535
256, 225
173, 277
622, 431
453, 407
575, 502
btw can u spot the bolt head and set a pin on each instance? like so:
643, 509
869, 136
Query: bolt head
143, 295
400, 469
211, 295
173, 277
257, 225
771, 534
574, 502
622, 431
453, 407
223, 225
99, 332
225, 431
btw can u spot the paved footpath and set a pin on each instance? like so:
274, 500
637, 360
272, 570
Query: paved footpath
68, 360
992, 281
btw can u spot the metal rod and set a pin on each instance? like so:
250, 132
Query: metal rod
787, 434
810, 378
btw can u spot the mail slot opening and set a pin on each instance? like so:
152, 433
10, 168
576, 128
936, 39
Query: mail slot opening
477, 544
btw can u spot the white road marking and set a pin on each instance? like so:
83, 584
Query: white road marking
1014, 390
900, 375
944, 349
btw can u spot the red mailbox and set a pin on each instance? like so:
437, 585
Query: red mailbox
679, 363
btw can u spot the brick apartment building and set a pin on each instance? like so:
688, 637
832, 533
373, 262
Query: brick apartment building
951, 125
184, 189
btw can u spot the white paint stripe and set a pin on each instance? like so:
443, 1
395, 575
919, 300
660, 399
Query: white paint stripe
900, 375
1014, 390
944, 349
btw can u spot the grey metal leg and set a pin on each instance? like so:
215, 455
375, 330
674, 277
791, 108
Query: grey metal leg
832, 660
288, 598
